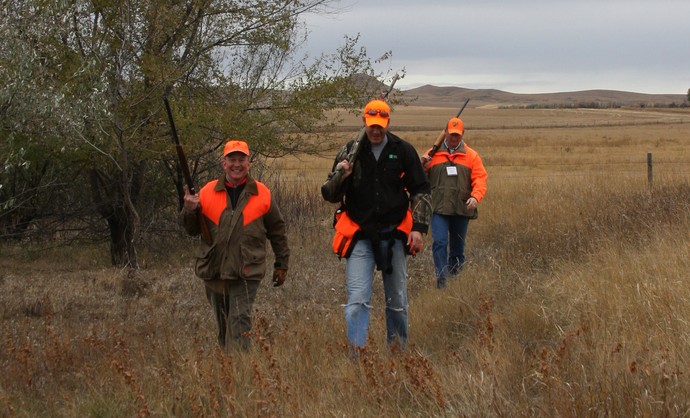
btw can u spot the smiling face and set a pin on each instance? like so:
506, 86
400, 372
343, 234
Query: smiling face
376, 133
236, 167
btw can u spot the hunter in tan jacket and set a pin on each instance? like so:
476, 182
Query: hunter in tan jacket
458, 184
236, 216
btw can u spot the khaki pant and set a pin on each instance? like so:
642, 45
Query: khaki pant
233, 310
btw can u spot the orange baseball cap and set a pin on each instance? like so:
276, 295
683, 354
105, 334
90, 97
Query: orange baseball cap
455, 126
377, 112
235, 145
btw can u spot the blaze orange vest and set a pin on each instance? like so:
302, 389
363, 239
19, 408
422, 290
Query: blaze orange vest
214, 202
346, 229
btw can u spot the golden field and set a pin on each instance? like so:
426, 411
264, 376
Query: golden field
572, 140
574, 302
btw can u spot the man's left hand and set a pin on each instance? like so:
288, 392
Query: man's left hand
279, 276
415, 242
471, 203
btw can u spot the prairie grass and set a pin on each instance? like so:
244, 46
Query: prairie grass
574, 301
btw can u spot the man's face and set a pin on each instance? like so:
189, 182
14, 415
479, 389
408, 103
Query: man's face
236, 167
376, 133
453, 140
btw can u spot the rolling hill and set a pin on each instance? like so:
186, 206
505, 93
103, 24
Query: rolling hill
453, 96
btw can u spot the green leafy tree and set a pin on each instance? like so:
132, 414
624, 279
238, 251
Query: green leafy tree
35, 122
91, 77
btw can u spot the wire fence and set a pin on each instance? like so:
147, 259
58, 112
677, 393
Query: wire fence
647, 167
573, 124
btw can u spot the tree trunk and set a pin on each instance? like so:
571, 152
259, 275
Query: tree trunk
123, 252
115, 203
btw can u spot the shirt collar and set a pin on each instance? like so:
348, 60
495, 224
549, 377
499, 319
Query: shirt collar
449, 149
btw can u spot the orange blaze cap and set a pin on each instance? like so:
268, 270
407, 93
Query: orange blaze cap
235, 145
377, 112
455, 126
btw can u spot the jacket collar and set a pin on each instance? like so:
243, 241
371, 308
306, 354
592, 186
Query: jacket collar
460, 149
249, 186
391, 138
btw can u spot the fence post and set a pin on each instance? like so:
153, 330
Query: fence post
650, 175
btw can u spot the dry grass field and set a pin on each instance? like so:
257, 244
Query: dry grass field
526, 139
574, 302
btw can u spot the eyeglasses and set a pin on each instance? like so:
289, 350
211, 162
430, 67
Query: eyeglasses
374, 112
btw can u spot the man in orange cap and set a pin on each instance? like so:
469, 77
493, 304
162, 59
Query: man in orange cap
385, 209
458, 184
240, 216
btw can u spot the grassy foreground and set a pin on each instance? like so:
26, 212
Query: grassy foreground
574, 303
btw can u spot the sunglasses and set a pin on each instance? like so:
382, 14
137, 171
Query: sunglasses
374, 112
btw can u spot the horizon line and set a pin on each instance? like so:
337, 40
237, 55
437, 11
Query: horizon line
413, 86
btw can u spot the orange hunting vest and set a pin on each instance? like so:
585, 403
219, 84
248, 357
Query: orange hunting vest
214, 200
346, 229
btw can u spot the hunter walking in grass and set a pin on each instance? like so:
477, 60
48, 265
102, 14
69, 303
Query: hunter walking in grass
385, 210
238, 217
458, 184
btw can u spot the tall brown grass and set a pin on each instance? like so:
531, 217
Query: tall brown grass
574, 302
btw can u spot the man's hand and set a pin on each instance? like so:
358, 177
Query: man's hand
471, 203
346, 167
279, 276
425, 160
191, 201
415, 242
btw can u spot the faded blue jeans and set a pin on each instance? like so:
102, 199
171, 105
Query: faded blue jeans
360, 276
449, 234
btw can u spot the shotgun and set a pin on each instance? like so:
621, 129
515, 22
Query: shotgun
205, 235
335, 179
180, 152
442, 136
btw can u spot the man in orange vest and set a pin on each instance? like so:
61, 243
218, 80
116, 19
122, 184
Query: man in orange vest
239, 215
385, 210
458, 184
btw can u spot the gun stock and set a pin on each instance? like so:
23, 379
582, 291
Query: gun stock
205, 234
335, 179
442, 135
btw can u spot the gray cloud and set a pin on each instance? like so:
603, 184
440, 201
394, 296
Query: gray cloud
522, 46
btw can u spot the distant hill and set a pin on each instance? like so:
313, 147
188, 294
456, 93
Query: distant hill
454, 96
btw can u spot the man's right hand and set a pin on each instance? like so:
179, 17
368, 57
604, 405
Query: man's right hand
346, 167
191, 201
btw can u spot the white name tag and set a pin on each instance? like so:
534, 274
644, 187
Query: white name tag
452, 170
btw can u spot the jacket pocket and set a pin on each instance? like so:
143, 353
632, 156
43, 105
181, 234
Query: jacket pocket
253, 251
207, 266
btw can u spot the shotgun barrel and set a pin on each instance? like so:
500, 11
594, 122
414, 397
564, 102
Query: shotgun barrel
180, 151
205, 234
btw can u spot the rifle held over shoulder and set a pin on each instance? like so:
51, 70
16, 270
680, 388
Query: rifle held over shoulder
336, 178
442, 135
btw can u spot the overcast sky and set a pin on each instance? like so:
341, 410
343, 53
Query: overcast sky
520, 46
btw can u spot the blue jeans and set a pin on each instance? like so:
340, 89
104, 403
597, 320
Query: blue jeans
360, 276
448, 233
